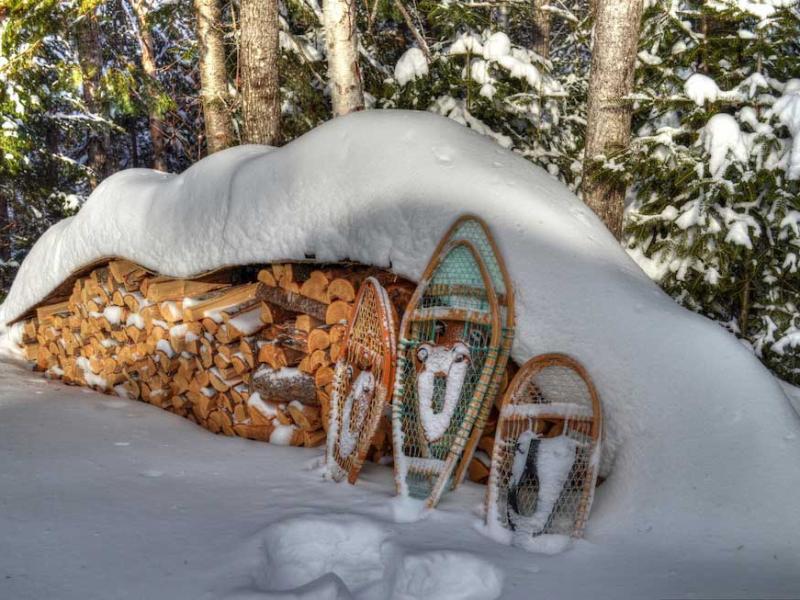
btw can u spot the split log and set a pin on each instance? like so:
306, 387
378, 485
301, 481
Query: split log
306, 323
265, 276
323, 376
178, 289
316, 287
305, 417
312, 439
338, 312
260, 433
341, 289
293, 302
212, 304
284, 384
45, 312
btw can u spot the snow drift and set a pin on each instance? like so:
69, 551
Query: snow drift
700, 440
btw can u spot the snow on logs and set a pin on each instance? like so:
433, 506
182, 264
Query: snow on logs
238, 351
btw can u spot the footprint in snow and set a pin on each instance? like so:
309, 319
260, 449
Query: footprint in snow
349, 557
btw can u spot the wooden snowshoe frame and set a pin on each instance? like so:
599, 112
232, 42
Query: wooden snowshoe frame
453, 310
369, 356
475, 230
552, 396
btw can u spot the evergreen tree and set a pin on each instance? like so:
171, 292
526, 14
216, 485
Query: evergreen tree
714, 212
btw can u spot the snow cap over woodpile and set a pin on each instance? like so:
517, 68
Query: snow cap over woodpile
700, 440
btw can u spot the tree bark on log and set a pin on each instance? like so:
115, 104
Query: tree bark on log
284, 385
341, 40
146, 47
261, 96
608, 127
213, 76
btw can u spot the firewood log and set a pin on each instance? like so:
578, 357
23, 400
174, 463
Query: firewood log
486, 444
341, 289
206, 353
202, 404
117, 298
315, 360
144, 286
265, 276
306, 323
312, 439
254, 432
284, 384
171, 312
248, 350
316, 287
293, 302
338, 311
240, 413
477, 471
31, 351
212, 304
318, 339
175, 289
121, 269
323, 376
272, 354
219, 382
305, 417
43, 313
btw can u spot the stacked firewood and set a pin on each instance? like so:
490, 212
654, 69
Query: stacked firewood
249, 354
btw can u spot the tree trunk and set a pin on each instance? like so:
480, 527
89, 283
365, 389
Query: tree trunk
5, 240
341, 40
213, 76
149, 66
608, 127
90, 59
261, 94
541, 23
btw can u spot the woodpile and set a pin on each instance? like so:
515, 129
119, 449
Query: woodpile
241, 351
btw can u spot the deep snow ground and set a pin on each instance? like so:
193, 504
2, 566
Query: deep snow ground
107, 498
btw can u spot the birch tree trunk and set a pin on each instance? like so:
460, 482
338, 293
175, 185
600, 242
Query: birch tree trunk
341, 40
146, 47
90, 60
608, 127
259, 54
541, 22
213, 77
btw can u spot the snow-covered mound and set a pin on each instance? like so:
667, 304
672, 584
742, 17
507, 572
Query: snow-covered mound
700, 439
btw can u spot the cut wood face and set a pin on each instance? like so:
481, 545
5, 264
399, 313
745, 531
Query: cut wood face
546, 451
448, 348
361, 382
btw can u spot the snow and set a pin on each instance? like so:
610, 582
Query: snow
361, 393
282, 434
722, 139
554, 460
165, 347
440, 359
113, 314
265, 408
110, 498
248, 322
701, 89
699, 442
787, 109
411, 65
497, 46
136, 320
